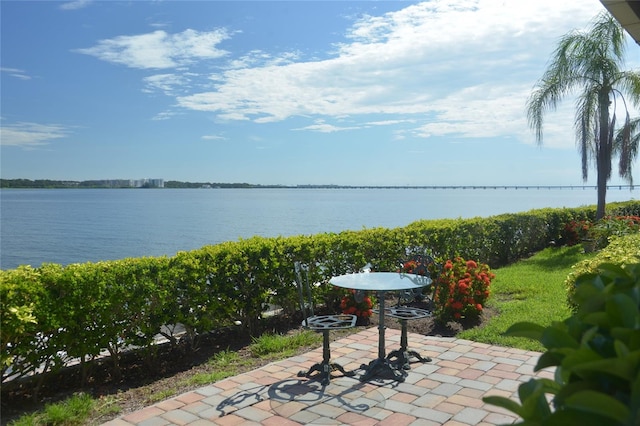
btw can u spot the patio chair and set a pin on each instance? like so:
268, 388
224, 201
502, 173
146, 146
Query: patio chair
403, 311
320, 323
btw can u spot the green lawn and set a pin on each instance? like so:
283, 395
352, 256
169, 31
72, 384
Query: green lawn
530, 290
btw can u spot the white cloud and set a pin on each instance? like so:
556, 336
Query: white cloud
159, 50
471, 65
74, 5
213, 138
30, 134
17, 73
388, 122
166, 83
322, 127
165, 115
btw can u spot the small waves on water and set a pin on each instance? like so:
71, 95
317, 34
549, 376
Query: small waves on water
80, 225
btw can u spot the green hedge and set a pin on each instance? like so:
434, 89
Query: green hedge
621, 251
53, 313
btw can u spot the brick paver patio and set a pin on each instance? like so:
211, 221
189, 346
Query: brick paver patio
446, 391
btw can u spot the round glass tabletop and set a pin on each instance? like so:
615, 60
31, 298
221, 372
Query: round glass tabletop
380, 281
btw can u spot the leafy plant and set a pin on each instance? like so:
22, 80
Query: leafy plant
599, 232
610, 226
596, 353
576, 231
462, 289
357, 303
621, 251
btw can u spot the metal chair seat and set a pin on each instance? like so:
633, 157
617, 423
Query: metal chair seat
323, 324
406, 313
403, 313
329, 322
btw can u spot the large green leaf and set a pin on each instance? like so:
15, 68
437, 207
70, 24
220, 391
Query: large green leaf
548, 359
573, 417
580, 357
593, 402
631, 338
526, 329
599, 318
554, 337
634, 400
534, 402
622, 311
505, 403
621, 349
571, 388
625, 368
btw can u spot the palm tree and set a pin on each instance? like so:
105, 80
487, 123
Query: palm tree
591, 62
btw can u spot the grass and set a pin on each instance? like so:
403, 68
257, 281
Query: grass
162, 395
530, 290
224, 364
81, 409
73, 411
284, 346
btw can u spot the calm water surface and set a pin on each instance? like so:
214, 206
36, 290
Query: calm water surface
67, 226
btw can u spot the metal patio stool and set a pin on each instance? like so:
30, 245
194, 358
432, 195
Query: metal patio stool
320, 323
404, 312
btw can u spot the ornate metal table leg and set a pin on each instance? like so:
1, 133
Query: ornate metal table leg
325, 367
404, 354
380, 367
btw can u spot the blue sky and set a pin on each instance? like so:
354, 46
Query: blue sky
275, 92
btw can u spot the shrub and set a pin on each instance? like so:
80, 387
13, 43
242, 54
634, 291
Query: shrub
462, 289
596, 353
357, 303
576, 231
613, 226
621, 251
601, 231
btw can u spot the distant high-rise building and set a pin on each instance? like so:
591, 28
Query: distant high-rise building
146, 183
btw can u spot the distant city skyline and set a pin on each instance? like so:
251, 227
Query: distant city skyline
349, 93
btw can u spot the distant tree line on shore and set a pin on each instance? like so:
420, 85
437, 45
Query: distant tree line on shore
129, 184
126, 183
111, 183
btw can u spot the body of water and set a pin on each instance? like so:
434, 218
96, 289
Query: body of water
79, 225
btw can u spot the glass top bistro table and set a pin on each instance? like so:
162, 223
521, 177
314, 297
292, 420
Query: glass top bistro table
381, 282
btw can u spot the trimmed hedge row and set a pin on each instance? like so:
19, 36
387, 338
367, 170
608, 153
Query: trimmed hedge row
622, 251
53, 313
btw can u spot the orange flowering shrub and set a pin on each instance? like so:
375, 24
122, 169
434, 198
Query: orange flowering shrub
576, 231
579, 230
462, 289
351, 306
415, 267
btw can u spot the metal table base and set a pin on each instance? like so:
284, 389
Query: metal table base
325, 367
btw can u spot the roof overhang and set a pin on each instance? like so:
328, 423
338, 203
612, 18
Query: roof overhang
627, 12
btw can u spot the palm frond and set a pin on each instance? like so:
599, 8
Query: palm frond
626, 146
